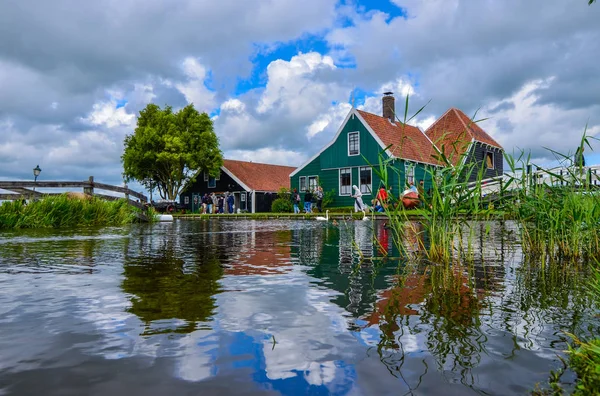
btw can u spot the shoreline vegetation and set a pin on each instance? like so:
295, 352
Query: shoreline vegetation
558, 219
67, 211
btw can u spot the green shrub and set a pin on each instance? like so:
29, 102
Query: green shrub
282, 205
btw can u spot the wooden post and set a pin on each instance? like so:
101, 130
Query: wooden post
126, 192
89, 190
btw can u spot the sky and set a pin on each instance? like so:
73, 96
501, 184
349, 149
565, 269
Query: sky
279, 76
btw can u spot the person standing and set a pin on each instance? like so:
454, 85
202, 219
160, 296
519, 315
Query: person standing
230, 201
319, 195
308, 201
358, 202
209, 205
221, 201
296, 201
215, 202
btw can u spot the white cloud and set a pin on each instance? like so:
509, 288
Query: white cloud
290, 84
107, 114
330, 120
195, 90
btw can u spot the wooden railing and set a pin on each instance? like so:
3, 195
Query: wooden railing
26, 190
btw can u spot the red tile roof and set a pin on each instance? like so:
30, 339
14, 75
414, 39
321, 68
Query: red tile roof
453, 132
407, 141
260, 177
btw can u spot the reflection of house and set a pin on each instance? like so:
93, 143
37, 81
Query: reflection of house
268, 255
364, 137
254, 185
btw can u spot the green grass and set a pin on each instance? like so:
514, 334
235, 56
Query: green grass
62, 211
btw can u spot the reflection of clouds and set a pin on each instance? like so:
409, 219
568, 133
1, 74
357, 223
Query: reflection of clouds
196, 363
310, 332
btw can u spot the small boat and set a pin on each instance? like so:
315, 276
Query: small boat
163, 217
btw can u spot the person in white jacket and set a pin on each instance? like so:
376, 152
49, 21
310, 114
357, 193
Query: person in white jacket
359, 205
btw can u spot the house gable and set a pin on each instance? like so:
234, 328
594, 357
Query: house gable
454, 134
352, 123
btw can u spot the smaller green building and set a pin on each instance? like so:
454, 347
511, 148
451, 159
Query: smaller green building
363, 137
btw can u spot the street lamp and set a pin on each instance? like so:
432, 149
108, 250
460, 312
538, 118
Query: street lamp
36, 173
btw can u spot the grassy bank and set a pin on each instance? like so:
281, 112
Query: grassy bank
63, 211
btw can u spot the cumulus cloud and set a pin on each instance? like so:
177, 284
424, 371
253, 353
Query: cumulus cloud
296, 111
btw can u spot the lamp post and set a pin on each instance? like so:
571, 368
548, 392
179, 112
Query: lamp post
36, 173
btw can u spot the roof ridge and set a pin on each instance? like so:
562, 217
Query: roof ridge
257, 163
458, 113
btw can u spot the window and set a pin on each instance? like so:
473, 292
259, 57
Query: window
205, 176
218, 176
365, 179
312, 183
353, 144
489, 159
186, 200
303, 183
345, 181
212, 182
409, 169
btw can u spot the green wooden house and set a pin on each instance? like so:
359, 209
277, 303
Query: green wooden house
360, 141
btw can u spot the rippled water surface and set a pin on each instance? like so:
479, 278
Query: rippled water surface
276, 307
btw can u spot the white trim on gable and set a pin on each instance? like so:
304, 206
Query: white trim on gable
238, 181
337, 134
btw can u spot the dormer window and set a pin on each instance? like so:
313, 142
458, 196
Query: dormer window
353, 144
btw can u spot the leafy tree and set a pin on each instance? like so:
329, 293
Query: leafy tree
591, 1
168, 148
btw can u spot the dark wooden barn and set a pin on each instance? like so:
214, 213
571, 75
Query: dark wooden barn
253, 185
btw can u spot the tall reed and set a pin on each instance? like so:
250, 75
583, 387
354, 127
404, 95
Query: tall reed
451, 202
558, 210
64, 211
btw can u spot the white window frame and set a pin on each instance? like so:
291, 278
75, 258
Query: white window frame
409, 173
369, 186
316, 179
205, 176
218, 177
357, 142
186, 200
340, 182
300, 184
493, 160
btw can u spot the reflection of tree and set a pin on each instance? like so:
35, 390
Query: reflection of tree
165, 287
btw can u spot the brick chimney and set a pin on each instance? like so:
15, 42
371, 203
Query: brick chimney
389, 106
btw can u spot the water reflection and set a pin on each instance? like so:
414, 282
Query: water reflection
278, 306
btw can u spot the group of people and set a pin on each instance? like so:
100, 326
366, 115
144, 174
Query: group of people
312, 200
213, 203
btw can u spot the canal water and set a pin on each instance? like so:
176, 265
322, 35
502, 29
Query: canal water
278, 307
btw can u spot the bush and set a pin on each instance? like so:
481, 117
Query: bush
282, 205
